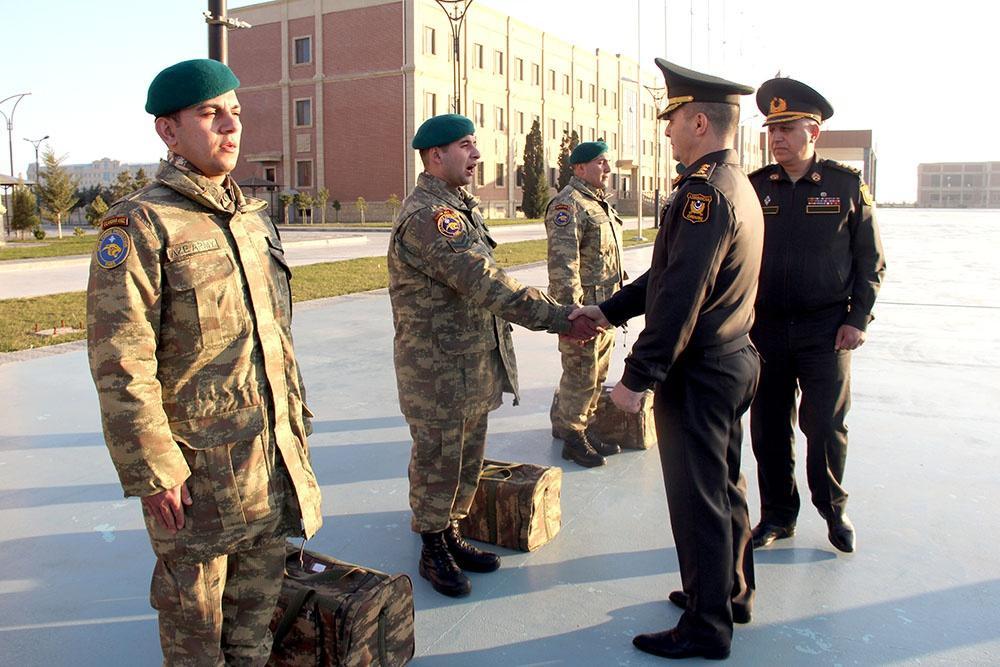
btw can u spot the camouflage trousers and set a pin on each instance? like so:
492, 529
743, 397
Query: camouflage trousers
216, 612
445, 464
585, 368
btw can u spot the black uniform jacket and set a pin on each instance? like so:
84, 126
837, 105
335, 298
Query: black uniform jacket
821, 243
700, 288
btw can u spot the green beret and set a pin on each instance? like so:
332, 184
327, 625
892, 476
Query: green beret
587, 151
442, 130
187, 83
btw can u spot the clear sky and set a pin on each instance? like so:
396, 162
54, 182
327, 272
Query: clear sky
918, 73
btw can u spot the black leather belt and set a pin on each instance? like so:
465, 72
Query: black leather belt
715, 351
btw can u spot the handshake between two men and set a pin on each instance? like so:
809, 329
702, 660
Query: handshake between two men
588, 321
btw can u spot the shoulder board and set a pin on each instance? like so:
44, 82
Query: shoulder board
704, 171
763, 171
842, 167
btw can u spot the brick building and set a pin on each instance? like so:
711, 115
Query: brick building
333, 90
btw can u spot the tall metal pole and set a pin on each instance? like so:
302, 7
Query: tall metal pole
657, 94
456, 18
219, 25
638, 121
38, 171
10, 149
218, 40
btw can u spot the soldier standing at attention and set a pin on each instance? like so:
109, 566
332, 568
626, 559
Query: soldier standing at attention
822, 268
453, 350
585, 267
190, 346
698, 300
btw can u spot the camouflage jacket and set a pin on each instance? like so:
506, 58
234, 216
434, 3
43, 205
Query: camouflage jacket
190, 346
450, 305
585, 247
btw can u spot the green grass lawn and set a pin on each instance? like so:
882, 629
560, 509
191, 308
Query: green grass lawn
19, 318
49, 247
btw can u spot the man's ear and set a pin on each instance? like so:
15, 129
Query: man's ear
166, 129
700, 124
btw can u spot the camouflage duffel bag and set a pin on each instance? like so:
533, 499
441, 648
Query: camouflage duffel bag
627, 430
334, 613
516, 505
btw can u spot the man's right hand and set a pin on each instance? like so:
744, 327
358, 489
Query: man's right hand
167, 507
591, 312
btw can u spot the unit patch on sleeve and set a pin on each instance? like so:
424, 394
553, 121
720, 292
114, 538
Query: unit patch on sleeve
114, 221
696, 207
449, 223
112, 247
564, 214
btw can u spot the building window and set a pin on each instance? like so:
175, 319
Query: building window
270, 174
481, 174
303, 113
430, 105
536, 74
579, 132
499, 118
593, 93
477, 56
566, 84
604, 96
579, 88
520, 122
535, 118
303, 50
480, 114
519, 176
614, 100
498, 62
592, 134
552, 128
303, 173
519, 68
552, 79
500, 174
614, 141
566, 128
430, 45
553, 177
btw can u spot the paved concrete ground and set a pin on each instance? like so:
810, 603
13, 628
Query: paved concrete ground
924, 586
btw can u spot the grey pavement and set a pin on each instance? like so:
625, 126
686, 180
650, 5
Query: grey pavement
923, 587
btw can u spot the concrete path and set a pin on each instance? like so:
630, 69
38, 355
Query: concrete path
923, 587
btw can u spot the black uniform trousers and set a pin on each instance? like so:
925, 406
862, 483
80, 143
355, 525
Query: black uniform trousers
798, 355
698, 408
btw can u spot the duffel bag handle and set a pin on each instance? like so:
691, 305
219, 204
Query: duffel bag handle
501, 472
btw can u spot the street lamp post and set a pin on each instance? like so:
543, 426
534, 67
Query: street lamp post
10, 148
657, 93
456, 17
38, 171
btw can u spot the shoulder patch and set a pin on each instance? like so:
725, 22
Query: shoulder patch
113, 247
562, 218
562, 207
866, 195
114, 221
449, 223
697, 207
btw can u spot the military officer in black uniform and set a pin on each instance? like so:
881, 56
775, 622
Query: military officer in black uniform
695, 351
820, 274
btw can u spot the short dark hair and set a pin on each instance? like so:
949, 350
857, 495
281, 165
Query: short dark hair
723, 118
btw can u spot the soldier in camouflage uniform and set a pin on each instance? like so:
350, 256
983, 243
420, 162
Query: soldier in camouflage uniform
453, 351
585, 267
190, 347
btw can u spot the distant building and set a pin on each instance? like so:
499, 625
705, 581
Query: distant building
103, 172
333, 91
958, 185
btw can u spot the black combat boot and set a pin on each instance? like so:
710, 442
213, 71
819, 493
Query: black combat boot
601, 447
577, 447
468, 557
438, 567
